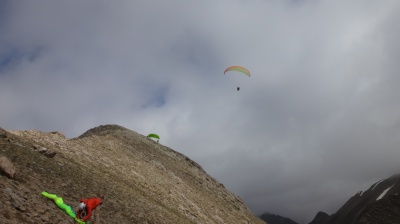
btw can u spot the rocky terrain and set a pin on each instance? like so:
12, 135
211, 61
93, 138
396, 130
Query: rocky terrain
143, 181
379, 204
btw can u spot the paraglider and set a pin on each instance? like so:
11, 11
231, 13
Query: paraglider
238, 69
152, 135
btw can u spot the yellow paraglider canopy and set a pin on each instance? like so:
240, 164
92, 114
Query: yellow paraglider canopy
239, 69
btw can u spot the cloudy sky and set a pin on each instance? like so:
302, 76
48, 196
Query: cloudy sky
318, 120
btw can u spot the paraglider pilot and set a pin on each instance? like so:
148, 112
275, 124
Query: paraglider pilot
238, 88
87, 206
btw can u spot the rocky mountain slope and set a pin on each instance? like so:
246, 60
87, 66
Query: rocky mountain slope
143, 181
379, 204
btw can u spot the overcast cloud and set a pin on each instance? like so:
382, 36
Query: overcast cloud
318, 121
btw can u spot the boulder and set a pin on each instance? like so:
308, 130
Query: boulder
6, 167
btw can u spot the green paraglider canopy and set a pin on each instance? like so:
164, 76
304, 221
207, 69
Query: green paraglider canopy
152, 135
60, 203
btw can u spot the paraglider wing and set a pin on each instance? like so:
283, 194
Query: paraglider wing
60, 203
239, 69
152, 135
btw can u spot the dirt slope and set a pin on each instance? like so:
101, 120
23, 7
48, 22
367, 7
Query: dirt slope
144, 182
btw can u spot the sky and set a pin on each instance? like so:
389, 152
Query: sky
317, 121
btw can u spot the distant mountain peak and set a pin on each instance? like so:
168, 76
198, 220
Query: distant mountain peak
275, 219
381, 196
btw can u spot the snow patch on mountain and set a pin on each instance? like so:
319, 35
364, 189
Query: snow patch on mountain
376, 184
384, 193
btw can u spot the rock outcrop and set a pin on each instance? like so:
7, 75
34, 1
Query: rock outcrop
3, 133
